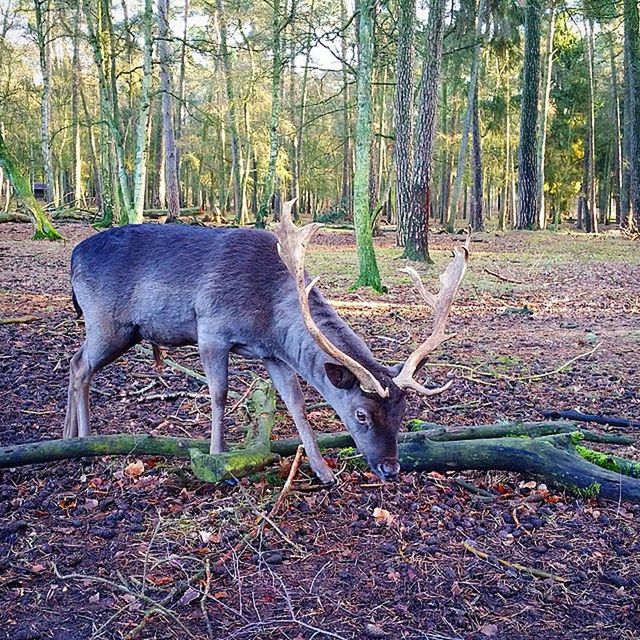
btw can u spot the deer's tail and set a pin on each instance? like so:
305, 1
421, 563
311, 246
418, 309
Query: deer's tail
76, 306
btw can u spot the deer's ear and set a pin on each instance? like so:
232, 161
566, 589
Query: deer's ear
395, 369
339, 376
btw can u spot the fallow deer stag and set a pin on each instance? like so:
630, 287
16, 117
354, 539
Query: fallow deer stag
244, 291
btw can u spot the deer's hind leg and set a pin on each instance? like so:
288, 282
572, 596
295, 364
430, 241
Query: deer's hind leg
97, 351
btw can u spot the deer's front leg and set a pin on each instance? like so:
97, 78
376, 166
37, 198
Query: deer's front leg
286, 382
215, 360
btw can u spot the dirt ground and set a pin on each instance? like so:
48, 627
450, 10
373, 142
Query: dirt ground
106, 548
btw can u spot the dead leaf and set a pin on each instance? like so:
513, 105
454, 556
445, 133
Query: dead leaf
382, 516
489, 630
158, 581
37, 568
95, 598
134, 469
528, 485
67, 502
189, 596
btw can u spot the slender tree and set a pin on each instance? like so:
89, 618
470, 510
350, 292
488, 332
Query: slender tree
527, 213
368, 275
168, 130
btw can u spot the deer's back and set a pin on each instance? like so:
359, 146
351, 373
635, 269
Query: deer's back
164, 280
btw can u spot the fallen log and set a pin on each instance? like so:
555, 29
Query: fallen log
554, 458
14, 217
612, 421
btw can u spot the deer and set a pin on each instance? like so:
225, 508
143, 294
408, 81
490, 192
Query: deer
245, 291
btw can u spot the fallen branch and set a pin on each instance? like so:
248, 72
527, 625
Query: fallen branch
18, 319
612, 421
537, 573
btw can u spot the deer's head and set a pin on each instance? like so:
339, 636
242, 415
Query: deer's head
371, 402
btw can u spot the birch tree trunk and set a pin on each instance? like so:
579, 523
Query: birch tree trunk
416, 239
42, 12
170, 155
542, 131
526, 215
140, 169
466, 126
368, 275
403, 116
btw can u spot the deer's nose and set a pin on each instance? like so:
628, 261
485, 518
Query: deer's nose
388, 469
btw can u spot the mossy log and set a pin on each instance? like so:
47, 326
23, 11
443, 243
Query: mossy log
162, 213
553, 458
14, 217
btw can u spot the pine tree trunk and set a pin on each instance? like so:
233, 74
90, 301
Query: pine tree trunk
168, 131
477, 218
542, 131
368, 275
632, 109
417, 240
591, 220
140, 168
527, 213
616, 141
403, 116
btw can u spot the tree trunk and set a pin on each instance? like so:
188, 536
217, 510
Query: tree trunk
632, 108
368, 275
232, 119
542, 131
477, 218
274, 125
142, 130
346, 197
403, 116
42, 11
464, 142
616, 142
168, 132
591, 218
43, 229
78, 189
417, 236
527, 213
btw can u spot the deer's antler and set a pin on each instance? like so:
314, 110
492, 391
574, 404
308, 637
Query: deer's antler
292, 246
441, 305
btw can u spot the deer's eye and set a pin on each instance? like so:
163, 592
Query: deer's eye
361, 416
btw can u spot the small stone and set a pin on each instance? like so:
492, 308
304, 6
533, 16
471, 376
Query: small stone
374, 631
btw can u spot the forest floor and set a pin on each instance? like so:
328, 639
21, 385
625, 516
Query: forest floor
107, 548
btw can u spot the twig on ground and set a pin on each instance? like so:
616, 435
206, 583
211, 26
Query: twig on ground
503, 278
295, 465
537, 573
203, 600
120, 587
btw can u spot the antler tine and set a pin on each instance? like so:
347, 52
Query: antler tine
441, 304
292, 247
